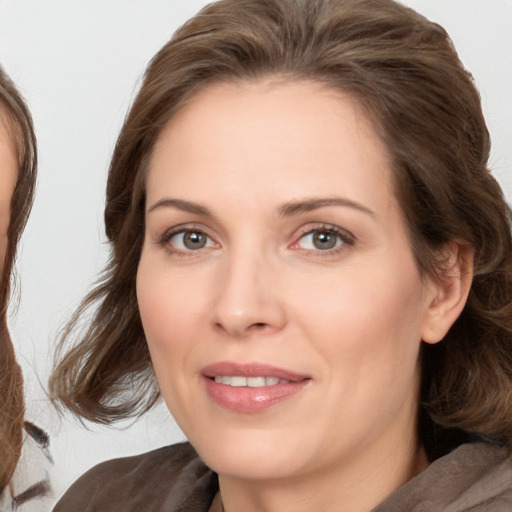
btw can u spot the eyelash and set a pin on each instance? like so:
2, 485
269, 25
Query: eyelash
346, 239
168, 235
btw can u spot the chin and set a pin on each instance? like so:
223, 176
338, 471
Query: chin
252, 456
240, 465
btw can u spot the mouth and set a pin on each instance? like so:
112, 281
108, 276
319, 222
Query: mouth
237, 381
251, 388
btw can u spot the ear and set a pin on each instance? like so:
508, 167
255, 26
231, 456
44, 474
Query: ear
448, 294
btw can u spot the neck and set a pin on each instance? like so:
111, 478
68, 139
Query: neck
356, 486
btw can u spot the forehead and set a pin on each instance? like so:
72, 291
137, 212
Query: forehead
269, 132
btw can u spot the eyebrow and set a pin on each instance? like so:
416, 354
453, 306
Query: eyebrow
287, 210
180, 204
307, 205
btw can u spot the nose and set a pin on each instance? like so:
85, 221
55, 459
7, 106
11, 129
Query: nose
248, 299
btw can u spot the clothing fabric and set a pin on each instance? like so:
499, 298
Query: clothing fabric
29, 490
475, 477
172, 478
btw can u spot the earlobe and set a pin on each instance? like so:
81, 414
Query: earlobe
449, 292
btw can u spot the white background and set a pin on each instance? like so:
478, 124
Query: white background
78, 64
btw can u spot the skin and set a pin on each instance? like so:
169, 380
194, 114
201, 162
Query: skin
351, 318
8, 175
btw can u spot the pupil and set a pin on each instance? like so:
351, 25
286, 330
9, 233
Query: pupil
194, 240
324, 240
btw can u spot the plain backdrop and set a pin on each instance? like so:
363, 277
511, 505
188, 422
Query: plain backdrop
78, 64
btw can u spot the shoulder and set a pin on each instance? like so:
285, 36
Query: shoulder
476, 477
169, 478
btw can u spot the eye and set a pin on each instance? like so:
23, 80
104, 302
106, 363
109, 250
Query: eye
188, 240
320, 240
324, 239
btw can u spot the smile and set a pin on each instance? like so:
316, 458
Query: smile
251, 382
251, 388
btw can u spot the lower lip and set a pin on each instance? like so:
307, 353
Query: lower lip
252, 400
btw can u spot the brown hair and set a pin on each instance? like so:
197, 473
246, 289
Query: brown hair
17, 120
405, 72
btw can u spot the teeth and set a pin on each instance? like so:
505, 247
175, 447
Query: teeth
251, 382
238, 382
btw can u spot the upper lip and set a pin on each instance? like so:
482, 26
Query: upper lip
228, 368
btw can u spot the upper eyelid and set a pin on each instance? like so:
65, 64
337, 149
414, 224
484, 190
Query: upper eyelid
326, 227
158, 230
182, 228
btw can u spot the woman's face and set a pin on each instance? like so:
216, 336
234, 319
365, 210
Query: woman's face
280, 299
8, 176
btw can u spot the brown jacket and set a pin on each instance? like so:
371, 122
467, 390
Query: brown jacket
475, 477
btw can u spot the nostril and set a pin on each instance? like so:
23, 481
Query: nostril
258, 324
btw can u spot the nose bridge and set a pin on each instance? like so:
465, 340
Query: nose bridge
246, 298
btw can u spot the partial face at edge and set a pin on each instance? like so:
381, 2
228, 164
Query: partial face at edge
8, 177
275, 248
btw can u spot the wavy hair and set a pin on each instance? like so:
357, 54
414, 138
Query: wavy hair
17, 123
405, 72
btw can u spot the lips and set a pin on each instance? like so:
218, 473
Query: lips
251, 388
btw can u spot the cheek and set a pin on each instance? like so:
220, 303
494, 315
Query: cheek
161, 313
167, 300
368, 338
365, 321
172, 308
166, 309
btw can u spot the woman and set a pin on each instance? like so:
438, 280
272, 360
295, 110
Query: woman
23, 446
310, 255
